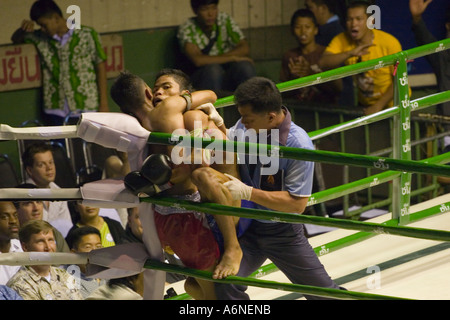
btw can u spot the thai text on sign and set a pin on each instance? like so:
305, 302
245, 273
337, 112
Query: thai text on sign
20, 66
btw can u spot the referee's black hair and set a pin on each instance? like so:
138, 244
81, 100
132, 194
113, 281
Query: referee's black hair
260, 93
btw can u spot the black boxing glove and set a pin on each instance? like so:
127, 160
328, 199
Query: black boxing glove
154, 176
139, 185
157, 168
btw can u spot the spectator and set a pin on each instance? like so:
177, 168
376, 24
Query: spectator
40, 167
327, 19
72, 63
133, 230
327, 16
42, 282
303, 61
217, 48
34, 210
111, 231
439, 62
359, 43
9, 234
85, 239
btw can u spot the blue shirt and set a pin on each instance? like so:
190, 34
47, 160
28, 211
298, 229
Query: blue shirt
293, 176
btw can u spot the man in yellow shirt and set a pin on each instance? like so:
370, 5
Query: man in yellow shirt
360, 43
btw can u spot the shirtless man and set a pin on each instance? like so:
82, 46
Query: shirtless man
169, 113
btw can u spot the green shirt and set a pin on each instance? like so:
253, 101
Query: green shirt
106, 236
228, 34
69, 71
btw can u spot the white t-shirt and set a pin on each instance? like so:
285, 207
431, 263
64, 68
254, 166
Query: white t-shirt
6, 272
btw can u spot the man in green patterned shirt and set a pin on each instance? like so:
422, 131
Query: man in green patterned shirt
72, 63
42, 282
216, 48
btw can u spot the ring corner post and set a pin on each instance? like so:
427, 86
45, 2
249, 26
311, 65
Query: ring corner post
402, 142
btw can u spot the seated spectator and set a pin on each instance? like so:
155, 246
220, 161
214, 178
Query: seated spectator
439, 62
40, 167
111, 231
42, 282
9, 238
85, 239
127, 288
133, 230
6, 293
327, 16
116, 166
34, 210
325, 12
303, 61
217, 48
359, 43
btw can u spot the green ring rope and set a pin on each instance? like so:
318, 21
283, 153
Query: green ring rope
214, 208
310, 290
419, 104
341, 158
368, 182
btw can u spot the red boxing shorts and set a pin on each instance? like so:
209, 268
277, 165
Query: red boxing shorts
189, 237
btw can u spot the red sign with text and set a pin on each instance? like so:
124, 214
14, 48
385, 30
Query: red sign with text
20, 66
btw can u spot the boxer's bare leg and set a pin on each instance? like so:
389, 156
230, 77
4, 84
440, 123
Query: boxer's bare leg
200, 289
210, 185
211, 188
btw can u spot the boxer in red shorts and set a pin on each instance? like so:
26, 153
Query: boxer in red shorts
135, 97
188, 235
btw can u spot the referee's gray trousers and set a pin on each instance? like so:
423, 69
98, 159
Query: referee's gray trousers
287, 247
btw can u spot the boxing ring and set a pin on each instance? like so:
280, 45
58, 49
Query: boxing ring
381, 264
400, 255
